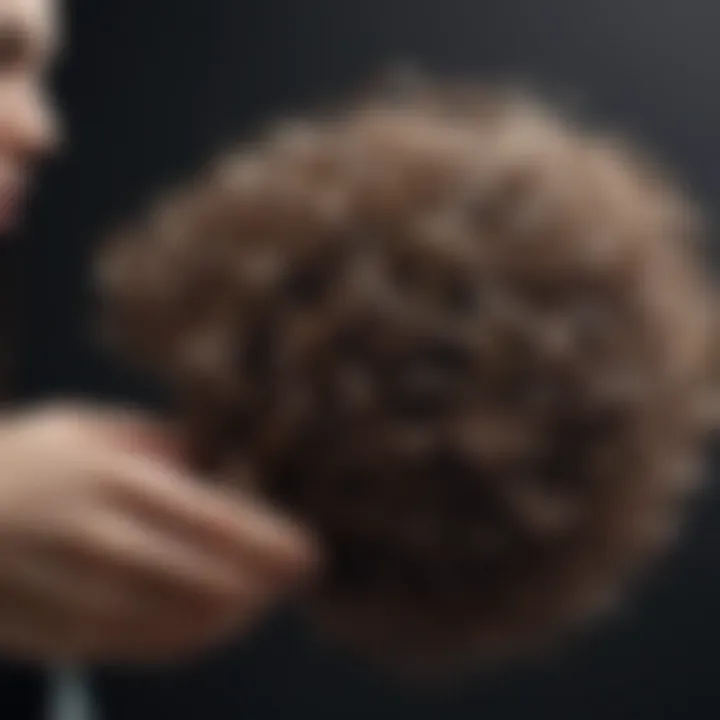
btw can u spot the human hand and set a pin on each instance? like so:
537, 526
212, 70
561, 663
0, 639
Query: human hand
110, 552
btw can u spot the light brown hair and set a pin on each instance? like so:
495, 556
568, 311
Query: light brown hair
466, 341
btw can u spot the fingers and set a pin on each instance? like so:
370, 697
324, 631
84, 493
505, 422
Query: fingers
56, 608
138, 460
111, 552
37, 627
215, 518
116, 543
45, 575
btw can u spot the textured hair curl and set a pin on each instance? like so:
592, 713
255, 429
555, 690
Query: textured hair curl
466, 341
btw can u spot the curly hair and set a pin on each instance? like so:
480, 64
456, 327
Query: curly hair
465, 340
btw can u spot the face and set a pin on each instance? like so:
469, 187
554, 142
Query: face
28, 131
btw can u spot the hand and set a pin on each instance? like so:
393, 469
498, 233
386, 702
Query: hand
109, 552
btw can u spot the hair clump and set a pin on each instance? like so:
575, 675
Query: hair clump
467, 342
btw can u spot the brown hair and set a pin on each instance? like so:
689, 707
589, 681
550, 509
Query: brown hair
464, 340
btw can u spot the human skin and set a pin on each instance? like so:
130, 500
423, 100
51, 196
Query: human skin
110, 550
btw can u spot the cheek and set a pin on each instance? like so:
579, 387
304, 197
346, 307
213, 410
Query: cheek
26, 123
11, 107
13, 110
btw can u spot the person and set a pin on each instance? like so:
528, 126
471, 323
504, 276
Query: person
110, 550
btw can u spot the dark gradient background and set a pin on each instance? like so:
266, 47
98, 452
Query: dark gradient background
152, 87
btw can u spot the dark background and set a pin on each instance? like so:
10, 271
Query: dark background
152, 87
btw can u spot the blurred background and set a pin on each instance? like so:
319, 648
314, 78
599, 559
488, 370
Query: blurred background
152, 89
